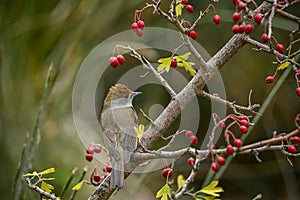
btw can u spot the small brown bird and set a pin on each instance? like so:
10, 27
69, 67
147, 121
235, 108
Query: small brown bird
117, 120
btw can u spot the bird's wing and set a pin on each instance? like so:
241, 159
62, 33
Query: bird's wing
127, 119
110, 133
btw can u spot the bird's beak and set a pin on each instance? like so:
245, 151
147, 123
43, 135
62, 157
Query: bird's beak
136, 93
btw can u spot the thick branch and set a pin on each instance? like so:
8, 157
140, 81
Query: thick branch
189, 92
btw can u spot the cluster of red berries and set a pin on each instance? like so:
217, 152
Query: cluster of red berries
188, 7
215, 165
191, 136
138, 27
96, 177
115, 61
236, 16
291, 148
243, 124
91, 150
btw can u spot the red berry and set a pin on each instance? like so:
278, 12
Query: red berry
193, 34
265, 38
235, 2
173, 63
188, 133
121, 59
229, 149
244, 122
141, 24
280, 48
97, 149
236, 29
236, 16
139, 32
222, 125
191, 161
185, 2
298, 72
242, 117
298, 91
241, 29
258, 18
194, 139
90, 150
270, 79
292, 149
243, 129
238, 143
134, 26
221, 160
248, 28
214, 167
167, 172
189, 8
96, 177
217, 19
113, 61
296, 139
107, 169
89, 157
241, 5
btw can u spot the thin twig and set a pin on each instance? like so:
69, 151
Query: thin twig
40, 191
147, 65
229, 104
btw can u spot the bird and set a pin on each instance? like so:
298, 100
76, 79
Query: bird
118, 119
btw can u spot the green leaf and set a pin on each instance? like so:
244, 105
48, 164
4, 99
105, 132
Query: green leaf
165, 64
78, 186
47, 187
139, 130
164, 192
180, 182
211, 189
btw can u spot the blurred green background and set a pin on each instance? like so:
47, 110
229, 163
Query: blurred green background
35, 33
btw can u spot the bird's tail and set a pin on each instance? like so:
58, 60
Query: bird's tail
117, 174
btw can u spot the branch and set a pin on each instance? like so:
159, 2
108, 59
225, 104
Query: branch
260, 146
269, 50
229, 104
40, 191
147, 65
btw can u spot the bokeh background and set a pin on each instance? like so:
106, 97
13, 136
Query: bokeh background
35, 33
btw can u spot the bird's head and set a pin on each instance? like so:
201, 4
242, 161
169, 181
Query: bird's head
119, 96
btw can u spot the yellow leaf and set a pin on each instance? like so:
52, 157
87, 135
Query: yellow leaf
30, 174
179, 9
211, 189
188, 67
48, 179
164, 192
78, 186
165, 64
47, 187
180, 182
182, 57
284, 65
47, 171
139, 130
